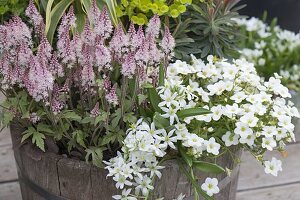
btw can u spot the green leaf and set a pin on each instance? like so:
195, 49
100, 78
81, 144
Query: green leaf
96, 154
79, 136
129, 117
141, 98
161, 75
112, 7
190, 112
26, 134
154, 99
71, 115
109, 138
208, 167
55, 15
44, 128
48, 14
160, 122
7, 118
38, 139
187, 158
101, 118
86, 120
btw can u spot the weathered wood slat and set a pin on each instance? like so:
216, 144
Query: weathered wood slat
10, 191
252, 174
284, 192
8, 169
5, 137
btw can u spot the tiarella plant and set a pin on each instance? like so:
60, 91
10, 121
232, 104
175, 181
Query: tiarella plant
272, 49
86, 92
245, 112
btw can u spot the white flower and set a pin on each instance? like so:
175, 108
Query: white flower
167, 139
217, 112
238, 97
121, 181
268, 143
180, 197
168, 99
243, 129
248, 139
273, 166
171, 114
269, 131
230, 139
210, 186
249, 119
153, 168
124, 196
193, 140
212, 146
143, 185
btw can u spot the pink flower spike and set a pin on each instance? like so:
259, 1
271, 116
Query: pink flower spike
112, 97
96, 111
128, 66
168, 42
153, 26
33, 13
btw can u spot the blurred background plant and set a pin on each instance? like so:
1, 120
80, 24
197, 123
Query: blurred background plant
207, 28
139, 11
9, 8
271, 49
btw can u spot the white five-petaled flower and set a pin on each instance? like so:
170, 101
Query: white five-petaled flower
268, 143
212, 146
273, 166
143, 185
171, 114
210, 186
124, 196
230, 139
168, 99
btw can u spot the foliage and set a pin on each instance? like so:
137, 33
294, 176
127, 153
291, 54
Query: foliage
139, 11
207, 28
87, 92
271, 49
11, 7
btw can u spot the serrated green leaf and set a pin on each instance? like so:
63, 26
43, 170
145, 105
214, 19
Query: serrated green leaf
190, 112
96, 154
101, 118
79, 136
38, 140
44, 128
71, 115
208, 167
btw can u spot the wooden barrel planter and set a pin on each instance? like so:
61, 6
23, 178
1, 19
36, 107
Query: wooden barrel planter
55, 177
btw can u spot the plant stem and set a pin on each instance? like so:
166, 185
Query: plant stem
195, 189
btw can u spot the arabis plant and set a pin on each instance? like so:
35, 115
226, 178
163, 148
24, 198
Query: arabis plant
245, 112
272, 49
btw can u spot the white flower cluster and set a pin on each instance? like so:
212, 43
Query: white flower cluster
291, 75
254, 25
244, 109
143, 147
265, 43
